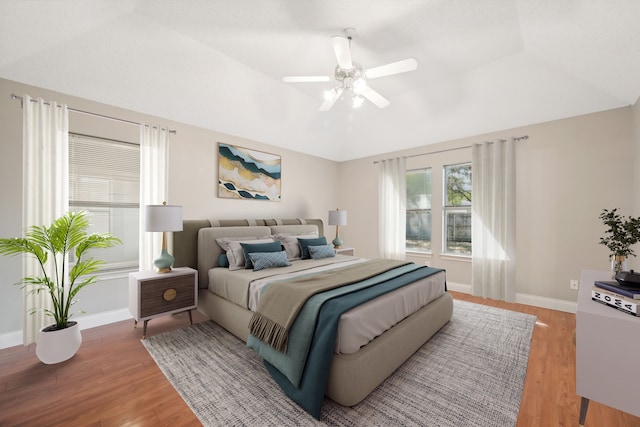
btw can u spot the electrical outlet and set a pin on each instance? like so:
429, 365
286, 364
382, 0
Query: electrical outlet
573, 284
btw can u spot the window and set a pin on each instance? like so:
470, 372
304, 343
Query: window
104, 179
457, 209
418, 210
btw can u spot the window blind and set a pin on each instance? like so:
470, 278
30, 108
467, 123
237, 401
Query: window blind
104, 179
103, 172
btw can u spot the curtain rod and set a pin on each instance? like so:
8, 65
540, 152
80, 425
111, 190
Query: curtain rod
515, 138
89, 113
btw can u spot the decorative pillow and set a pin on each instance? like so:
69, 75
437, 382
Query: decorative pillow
262, 260
248, 248
291, 245
226, 242
305, 243
223, 261
321, 251
235, 255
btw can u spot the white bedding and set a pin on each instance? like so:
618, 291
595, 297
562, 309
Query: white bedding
358, 326
362, 324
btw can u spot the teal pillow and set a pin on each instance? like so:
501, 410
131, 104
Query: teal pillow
248, 248
262, 260
305, 243
321, 251
223, 261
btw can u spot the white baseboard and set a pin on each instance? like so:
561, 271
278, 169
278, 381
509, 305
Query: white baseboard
11, 339
458, 287
534, 300
93, 320
550, 303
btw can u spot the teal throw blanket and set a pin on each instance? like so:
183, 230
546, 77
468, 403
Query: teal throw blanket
291, 363
310, 392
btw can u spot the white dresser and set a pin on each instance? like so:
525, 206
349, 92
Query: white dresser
607, 351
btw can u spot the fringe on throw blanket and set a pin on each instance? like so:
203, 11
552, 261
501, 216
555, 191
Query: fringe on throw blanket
270, 332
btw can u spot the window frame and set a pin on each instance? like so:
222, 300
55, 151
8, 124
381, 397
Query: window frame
448, 208
109, 268
429, 211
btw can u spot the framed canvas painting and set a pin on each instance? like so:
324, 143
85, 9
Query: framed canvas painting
248, 174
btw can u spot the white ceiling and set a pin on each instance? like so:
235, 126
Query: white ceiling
483, 65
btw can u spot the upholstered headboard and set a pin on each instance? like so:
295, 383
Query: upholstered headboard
185, 242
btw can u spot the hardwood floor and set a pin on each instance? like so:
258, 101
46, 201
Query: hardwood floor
112, 380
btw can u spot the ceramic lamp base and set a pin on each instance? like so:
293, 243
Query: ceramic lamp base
337, 242
164, 262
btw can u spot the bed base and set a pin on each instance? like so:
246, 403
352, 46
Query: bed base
352, 376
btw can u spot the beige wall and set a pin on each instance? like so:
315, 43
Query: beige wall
308, 186
567, 172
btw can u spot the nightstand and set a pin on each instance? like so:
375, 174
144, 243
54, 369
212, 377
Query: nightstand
345, 251
154, 294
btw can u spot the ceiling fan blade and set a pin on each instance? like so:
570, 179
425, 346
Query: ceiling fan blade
328, 103
373, 96
342, 48
305, 79
398, 67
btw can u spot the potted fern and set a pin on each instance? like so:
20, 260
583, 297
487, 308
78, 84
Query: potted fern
620, 234
52, 246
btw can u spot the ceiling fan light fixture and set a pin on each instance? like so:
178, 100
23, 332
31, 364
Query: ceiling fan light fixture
329, 94
359, 85
351, 77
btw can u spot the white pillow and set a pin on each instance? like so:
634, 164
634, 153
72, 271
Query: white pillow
291, 245
235, 254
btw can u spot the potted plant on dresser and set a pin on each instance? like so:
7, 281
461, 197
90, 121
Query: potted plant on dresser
620, 234
61, 340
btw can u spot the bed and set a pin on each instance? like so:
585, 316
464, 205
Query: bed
357, 368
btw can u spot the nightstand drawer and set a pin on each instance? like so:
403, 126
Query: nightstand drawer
167, 294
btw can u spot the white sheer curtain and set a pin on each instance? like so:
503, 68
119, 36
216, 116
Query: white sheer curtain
45, 188
154, 187
392, 197
493, 220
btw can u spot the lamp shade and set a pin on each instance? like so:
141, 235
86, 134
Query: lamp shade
163, 218
338, 217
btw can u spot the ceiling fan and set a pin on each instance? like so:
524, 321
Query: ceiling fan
351, 77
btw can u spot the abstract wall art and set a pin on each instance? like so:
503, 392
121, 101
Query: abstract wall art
248, 174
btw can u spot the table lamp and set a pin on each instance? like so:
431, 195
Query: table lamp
163, 218
337, 218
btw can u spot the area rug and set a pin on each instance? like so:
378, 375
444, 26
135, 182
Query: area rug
471, 373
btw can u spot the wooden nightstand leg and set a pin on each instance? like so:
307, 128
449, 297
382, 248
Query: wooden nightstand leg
190, 317
144, 330
584, 406
135, 323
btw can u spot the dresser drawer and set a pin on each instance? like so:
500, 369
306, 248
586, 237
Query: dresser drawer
166, 294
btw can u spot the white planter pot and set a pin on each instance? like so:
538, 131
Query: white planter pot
60, 345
